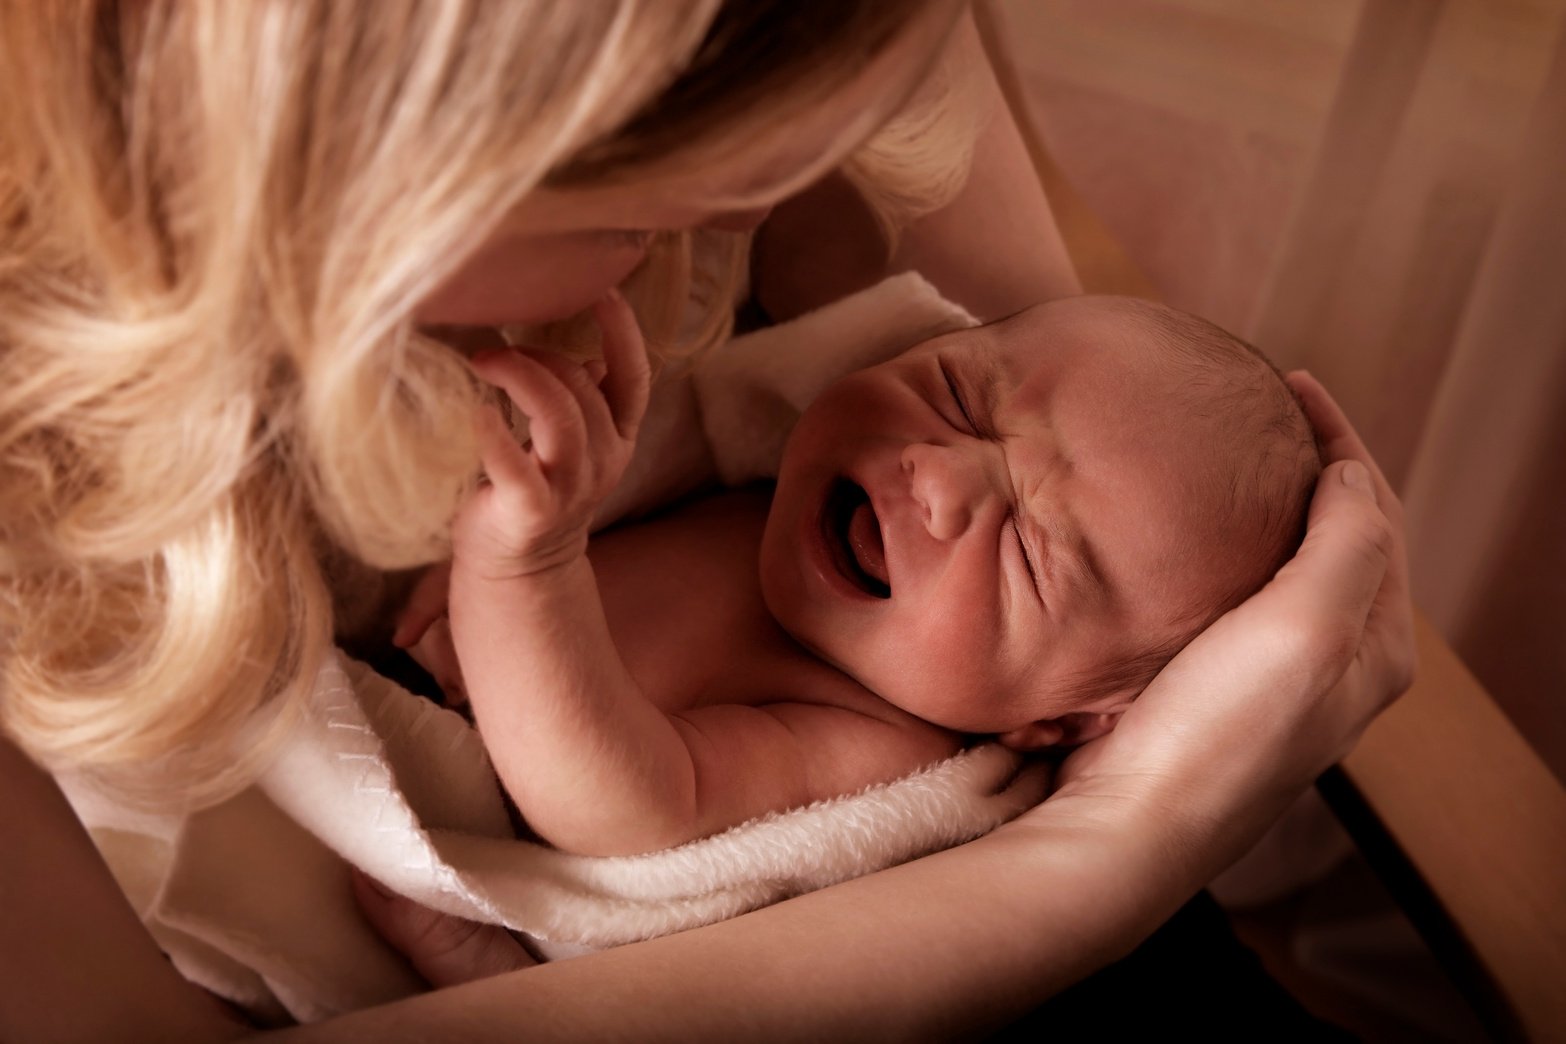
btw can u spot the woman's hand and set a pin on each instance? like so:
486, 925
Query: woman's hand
1278, 689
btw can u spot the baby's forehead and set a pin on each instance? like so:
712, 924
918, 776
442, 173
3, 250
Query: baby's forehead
1035, 346
1086, 323
1099, 374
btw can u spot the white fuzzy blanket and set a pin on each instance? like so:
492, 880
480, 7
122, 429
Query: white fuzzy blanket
251, 898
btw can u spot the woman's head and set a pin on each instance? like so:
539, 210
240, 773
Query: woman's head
217, 226
701, 155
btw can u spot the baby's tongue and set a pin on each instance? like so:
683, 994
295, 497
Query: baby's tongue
864, 536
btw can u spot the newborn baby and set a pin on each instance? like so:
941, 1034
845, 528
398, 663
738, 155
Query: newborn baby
1005, 531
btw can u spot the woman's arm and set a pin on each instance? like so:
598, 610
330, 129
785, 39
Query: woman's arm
75, 963
994, 249
940, 948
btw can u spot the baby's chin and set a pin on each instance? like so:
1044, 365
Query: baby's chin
946, 702
845, 665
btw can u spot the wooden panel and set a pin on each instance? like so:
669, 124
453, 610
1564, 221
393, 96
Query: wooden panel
1483, 821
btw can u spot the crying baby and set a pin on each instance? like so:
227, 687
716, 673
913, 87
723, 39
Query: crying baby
1004, 532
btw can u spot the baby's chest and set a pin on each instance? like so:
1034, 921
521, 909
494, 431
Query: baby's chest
684, 605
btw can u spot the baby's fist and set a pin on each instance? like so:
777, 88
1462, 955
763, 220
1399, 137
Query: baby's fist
534, 511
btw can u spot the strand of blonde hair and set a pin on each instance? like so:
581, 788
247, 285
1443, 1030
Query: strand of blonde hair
210, 382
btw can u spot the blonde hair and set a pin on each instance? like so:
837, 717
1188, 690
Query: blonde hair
210, 384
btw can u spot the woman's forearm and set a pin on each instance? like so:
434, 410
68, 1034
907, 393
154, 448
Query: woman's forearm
994, 248
75, 962
942, 947
846, 963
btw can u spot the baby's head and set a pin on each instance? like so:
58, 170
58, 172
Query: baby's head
1011, 529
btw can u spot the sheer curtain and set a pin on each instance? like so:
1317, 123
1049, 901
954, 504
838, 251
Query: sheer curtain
1374, 190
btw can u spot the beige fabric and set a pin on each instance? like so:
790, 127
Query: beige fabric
1374, 190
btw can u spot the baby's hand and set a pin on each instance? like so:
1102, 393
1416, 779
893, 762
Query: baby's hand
534, 511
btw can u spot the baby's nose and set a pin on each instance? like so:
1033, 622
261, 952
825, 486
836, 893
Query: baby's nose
947, 484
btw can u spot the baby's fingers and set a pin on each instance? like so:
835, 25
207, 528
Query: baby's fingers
628, 374
555, 422
506, 465
581, 380
426, 604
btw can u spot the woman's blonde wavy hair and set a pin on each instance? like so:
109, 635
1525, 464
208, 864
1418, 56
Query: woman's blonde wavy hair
215, 222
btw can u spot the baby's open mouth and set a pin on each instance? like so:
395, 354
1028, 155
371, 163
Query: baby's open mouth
853, 534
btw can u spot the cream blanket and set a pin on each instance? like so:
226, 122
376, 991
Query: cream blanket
251, 898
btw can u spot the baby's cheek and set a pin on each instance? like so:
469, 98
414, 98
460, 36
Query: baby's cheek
946, 674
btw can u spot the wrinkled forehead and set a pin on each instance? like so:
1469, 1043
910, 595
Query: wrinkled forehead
1104, 330
1088, 341
1094, 376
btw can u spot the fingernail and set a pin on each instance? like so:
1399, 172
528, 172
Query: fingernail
1356, 477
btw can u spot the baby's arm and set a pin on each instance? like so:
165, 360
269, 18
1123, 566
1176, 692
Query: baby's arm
593, 764
569, 732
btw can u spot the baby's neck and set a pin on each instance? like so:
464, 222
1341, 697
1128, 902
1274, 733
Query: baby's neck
688, 580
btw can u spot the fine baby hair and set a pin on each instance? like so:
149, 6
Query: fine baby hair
1265, 491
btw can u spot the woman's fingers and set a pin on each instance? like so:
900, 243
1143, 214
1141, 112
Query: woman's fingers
445, 950
1388, 652
628, 374
1275, 691
1339, 440
1343, 560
